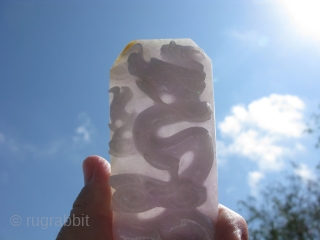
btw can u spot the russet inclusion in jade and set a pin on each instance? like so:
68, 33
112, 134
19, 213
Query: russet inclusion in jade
162, 143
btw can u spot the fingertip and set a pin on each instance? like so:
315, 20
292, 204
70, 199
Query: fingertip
230, 225
95, 168
88, 166
105, 164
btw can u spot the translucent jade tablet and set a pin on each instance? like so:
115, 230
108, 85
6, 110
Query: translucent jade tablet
162, 146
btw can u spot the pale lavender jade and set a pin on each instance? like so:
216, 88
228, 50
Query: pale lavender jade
162, 144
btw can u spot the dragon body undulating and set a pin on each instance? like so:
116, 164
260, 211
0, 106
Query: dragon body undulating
178, 76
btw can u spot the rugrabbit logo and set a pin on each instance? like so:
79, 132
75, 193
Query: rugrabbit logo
45, 222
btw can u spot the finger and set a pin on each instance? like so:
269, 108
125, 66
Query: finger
96, 170
95, 196
88, 166
91, 217
230, 225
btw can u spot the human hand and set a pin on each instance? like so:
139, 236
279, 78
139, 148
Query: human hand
94, 201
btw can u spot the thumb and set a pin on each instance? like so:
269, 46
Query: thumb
95, 196
92, 206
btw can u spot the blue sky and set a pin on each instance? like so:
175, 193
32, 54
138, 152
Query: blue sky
55, 59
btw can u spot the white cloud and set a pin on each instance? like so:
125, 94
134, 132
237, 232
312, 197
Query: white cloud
254, 179
266, 131
8, 143
258, 147
259, 130
48, 149
304, 172
84, 131
277, 114
64, 145
221, 151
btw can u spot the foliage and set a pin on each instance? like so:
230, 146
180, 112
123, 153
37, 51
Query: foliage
314, 126
289, 209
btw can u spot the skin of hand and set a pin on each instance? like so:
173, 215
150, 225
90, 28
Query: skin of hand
92, 206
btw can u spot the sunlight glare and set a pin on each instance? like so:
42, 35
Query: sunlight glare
306, 16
